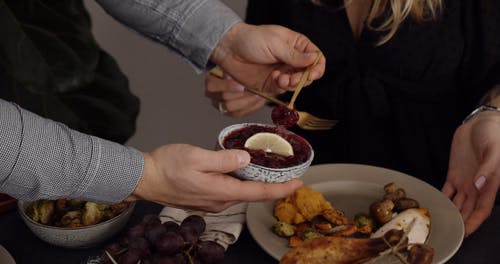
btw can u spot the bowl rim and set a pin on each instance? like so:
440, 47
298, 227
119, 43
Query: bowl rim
23, 214
232, 127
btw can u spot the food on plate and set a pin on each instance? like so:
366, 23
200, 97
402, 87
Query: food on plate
393, 192
405, 203
270, 143
396, 211
300, 153
287, 212
151, 241
365, 223
382, 211
72, 212
398, 197
329, 249
335, 216
323, 234
284, 116
420, 253
283, 229
303, 205
310, 234
414, 221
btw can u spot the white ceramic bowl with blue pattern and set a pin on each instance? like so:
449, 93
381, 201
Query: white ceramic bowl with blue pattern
255, 172
77, 237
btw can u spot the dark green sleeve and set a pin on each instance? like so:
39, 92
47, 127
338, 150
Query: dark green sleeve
50, 64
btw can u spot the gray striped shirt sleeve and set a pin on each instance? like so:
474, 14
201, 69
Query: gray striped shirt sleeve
190, 28
43, 159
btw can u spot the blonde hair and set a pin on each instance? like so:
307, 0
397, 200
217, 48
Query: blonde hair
394, 12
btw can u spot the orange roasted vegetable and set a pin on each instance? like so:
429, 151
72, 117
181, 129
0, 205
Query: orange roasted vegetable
301, 206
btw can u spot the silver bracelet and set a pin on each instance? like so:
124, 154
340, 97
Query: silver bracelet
479, 110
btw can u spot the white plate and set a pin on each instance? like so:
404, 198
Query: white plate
5, 257
352, 188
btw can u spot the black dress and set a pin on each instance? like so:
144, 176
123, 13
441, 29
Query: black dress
399, 103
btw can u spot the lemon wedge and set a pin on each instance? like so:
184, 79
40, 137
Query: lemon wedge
269, 142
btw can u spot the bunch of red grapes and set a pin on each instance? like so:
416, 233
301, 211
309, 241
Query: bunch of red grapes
151, 242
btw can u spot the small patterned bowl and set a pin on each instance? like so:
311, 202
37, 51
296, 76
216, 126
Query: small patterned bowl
255, 172
78, 237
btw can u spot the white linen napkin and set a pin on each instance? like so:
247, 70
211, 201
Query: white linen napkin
224, 227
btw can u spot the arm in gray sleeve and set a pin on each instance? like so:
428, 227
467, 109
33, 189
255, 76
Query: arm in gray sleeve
190, 28
43, 159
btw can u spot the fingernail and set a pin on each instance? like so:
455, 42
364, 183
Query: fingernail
243, 157
311, 55
480, 182
238, 88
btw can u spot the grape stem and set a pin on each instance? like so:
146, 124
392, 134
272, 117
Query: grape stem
188, 254
110, 257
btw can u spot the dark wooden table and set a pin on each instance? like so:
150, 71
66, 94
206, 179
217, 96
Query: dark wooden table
482, 247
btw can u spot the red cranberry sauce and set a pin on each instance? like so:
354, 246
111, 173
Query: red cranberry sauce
284, 116
237, 138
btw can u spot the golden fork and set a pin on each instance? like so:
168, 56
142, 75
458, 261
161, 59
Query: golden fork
306, 120
302, 81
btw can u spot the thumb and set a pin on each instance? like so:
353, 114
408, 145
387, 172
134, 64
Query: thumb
224, 161
295, 58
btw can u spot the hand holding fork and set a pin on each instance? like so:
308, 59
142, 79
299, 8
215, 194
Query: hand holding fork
306, 120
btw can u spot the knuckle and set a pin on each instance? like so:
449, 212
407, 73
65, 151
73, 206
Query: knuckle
226, 96
192, 155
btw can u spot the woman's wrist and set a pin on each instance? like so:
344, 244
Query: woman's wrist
496, 102
489, 103
480, 109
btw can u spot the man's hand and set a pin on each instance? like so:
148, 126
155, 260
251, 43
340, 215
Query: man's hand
268, 58
190, 177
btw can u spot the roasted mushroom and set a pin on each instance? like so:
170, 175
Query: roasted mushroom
405, 203
393, 192
381, 211
394, 196
390, 187
420, 254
